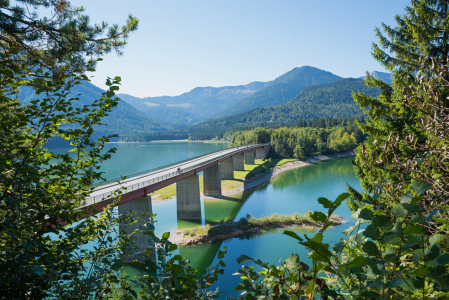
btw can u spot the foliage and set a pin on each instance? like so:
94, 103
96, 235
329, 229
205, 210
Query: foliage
40, 190
398, 248
300, 142
171, 276
60, 42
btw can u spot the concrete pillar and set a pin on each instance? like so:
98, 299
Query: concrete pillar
260, 153
249, 157
188, 198
212, 181
237, 162
267, 150
142, 208
227, 169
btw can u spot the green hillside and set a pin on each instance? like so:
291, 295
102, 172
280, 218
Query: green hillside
124, 120
281, 90
332, 100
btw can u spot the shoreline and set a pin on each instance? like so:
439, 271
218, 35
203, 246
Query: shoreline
185, 140
183, 239
261, 178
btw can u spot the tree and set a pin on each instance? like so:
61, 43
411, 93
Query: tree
60, 42
401, 252
417, 44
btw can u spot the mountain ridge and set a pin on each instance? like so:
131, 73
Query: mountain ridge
194, 106
281, 89
124, 119
331, 100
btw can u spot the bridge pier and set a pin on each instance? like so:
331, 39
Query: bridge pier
237, 162
141, 206
267, 150
249, 157
227, 169
188, 198
212, 181
260, 153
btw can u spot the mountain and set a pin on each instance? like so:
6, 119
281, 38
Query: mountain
331, 100
387, 77
124, 119
281, 90
194, 106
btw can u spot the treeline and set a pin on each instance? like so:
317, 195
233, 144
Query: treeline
299, 142
156, 136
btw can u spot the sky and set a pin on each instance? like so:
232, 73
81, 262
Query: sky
180, 44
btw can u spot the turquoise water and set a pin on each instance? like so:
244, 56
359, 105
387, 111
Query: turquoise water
136, 157
292, 191
295, 190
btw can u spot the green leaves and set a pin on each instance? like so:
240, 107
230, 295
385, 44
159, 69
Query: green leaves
370, 248
414, 229
399, 211
318, 216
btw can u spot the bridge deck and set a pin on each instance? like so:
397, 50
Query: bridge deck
144, 184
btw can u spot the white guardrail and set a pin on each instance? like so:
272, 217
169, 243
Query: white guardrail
140, 185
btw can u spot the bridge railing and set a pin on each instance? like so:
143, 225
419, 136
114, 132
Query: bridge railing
144, 183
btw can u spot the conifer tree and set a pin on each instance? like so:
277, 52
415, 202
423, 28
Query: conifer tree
419, 40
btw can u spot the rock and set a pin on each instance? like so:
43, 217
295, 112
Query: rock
178, 232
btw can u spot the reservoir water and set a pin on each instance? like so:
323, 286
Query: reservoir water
295, 190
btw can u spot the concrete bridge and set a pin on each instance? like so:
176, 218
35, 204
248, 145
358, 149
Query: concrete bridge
216, 166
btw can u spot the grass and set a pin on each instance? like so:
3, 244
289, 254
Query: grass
260, 166
249, 222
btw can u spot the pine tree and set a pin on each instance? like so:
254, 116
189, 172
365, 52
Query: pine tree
61, 42
419, 40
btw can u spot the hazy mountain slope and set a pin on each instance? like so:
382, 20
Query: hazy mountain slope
387, 77
332, 100
194, 106
124, 119
281, 90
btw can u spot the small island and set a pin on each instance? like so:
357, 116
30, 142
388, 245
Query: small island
248, 225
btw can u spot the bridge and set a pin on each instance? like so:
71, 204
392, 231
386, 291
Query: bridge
216, 166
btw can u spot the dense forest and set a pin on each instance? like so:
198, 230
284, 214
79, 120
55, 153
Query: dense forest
319, 137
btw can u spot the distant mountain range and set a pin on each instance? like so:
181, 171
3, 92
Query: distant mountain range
123, 119
331, 100
302, 93
192, 107
387, 77
281, 90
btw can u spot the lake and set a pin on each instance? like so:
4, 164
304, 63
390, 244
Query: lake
295, 190
292, 191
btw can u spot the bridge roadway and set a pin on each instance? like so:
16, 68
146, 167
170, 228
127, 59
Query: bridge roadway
142, 185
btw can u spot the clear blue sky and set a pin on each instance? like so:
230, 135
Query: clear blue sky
184, 44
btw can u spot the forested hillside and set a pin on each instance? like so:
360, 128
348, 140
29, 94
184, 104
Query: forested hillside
281, 90
300, 142
192, 107
332, 100
123, 120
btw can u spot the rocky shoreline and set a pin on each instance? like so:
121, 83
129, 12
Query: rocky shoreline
181, 238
